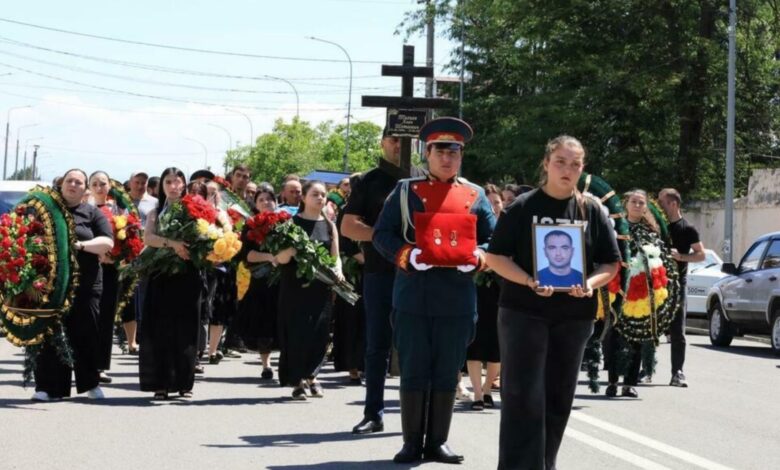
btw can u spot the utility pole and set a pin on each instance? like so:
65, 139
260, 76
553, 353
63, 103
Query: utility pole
35, 160
429, 48
8, 135
462, 57
728, 242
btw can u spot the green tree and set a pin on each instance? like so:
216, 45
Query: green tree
642, 84
298, 147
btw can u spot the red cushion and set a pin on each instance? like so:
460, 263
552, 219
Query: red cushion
446, 239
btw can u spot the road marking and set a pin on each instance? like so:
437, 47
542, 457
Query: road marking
615, 451
648, 442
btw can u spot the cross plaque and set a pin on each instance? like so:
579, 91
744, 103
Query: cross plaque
408, 72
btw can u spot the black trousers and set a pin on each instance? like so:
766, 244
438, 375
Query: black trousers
108, 302
677, 334
612, 348
81, 329
540, 363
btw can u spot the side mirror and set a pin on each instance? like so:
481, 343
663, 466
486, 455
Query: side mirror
729, 268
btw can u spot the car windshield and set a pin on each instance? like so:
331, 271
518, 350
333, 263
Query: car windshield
8, 199
710, 260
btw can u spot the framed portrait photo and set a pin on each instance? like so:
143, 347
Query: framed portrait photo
559, 256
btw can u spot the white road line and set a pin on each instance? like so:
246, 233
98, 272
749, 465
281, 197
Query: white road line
646, 441
615, 451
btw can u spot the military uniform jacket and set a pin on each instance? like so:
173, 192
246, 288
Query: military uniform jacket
437, 291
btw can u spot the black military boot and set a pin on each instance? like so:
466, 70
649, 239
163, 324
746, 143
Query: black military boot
439, 419
413, 405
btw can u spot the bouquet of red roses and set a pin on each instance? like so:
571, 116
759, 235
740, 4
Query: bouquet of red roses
207, 232
128, 242
24, 260
274, 232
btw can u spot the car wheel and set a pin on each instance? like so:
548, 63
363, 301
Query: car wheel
721, 332
775, 338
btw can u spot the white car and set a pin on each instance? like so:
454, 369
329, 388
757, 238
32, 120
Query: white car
701, 277
12, 192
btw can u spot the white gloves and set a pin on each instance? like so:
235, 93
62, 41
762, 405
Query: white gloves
467, 268
415, 264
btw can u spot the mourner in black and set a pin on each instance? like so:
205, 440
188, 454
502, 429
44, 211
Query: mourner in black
688, 248
366, 199
171, 318
94, 238
542, 333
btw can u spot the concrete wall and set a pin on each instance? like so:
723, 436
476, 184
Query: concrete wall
754, 215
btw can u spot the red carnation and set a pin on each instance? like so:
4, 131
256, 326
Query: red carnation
637, 287
41, 264
36, 228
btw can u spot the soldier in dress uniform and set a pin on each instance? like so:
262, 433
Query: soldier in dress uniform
434, 229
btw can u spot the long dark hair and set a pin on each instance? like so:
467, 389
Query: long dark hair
161, 198
304, 190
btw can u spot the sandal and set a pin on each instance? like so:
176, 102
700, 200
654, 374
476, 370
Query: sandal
489, 401
478, 405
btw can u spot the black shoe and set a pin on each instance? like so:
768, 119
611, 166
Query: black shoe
611, 391
214, 359
629, 392
439, 419
267, 374
368, 425
413, 405
678, 380
489, 401
104, 378
299, 393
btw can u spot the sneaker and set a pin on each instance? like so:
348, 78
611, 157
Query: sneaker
40, 396
96, 394
232, 354
199, 369
299, 393
316, 390
678, 380
267, 374
629, 392
214, 359
104, 378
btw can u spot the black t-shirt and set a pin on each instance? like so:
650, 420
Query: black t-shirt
90, 223
684, 235
513, 237
366, 201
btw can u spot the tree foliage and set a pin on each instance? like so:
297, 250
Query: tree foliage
298, 147
641, 83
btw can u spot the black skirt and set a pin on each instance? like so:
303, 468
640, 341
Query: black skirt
256, 322
108, 302
169, 332
485, 345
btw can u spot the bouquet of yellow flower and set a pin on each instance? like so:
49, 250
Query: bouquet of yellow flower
207, 232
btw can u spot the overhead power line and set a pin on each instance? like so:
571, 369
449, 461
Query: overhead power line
160, 68
188, 49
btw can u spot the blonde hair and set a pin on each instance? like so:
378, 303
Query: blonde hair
563, 140
647, 218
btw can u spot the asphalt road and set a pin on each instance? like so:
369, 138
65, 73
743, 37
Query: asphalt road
728, 418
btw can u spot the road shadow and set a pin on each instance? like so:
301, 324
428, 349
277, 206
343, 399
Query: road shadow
758, 351
300, 439
373, 464
231, 401
602, 397
19, 404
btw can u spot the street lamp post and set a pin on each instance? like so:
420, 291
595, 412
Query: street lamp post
728, 242
18, 131
349, 100
205, 150
230, 142
251, 129
7, 134
295, 90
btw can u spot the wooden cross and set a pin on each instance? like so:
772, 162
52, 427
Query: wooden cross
406, 102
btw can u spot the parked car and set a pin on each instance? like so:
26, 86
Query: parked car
700, 279
12, 191
748, 300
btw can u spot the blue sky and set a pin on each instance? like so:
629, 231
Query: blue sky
89, 115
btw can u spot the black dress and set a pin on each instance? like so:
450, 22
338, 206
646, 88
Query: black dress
485, 345
349, 330
81, 327
257, 311
304, 315
168, 333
